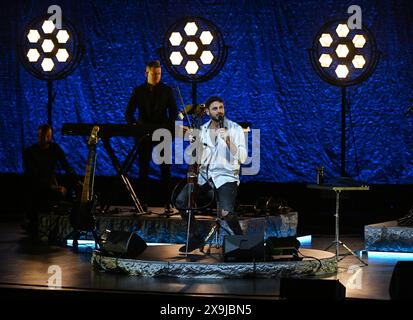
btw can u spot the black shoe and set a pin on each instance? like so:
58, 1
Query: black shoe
194, 243
233, 223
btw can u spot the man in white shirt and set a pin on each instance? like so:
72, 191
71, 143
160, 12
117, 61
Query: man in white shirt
222, 142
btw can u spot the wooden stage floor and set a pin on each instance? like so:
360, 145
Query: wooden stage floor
24, 265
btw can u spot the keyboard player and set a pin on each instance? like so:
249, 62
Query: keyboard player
155, 104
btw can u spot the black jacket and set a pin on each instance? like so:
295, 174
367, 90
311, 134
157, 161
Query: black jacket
40, 166
156, 106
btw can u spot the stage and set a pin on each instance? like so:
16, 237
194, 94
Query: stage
25, 265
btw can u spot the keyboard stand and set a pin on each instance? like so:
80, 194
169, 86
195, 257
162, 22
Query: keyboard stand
123, 175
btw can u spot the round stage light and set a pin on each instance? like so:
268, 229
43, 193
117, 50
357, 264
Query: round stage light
343, 56
193, 50
49, 53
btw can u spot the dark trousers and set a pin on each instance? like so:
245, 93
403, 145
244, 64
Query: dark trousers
145, 155
39, 200
225, 197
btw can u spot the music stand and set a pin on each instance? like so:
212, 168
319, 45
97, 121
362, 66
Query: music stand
338, 190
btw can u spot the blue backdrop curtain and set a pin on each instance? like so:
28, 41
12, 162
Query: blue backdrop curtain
267, 80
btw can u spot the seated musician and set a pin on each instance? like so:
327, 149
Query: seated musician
156, 104
40, 164
223, 151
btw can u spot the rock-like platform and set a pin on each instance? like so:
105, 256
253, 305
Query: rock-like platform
157, 228
165, 261
388, 237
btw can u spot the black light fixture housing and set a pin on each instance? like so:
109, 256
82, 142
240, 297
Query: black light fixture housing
193, 51
48, 53
343, 57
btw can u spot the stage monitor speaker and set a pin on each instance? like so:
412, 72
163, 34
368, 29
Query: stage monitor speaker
281, 246
122, 244
242, 248
311, 289
401, 281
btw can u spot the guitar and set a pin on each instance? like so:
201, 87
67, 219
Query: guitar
83, 218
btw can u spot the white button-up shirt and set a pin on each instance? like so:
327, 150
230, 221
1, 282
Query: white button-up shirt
217, 161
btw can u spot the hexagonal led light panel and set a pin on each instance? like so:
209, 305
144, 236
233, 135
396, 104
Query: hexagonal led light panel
191, 28
175, 38
326, 40
62, 36
358, 61
359, 41
47, 45
343, 57
48, 53
191, 48
62, 55
206, 37
176, 58
342, 51
325, 60
33, 36
33, 55
335, 46
48, 26
191, 67
342, 30
207, 57
342, 71
47, 64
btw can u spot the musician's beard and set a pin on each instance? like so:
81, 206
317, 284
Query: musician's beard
216, 117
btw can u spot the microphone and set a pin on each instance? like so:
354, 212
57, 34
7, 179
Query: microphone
221, 121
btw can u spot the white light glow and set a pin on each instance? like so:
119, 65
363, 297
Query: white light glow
62, 36
342, 51
33, 55
47, 45
342, 30
48, 26
33, 36
341, 71
176, 58
62, 55
325, 60
191, 28
358, 61
359, 41
325, 40
206, 37
191, 48
47, 64
175, 38
207, 57
191, 67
